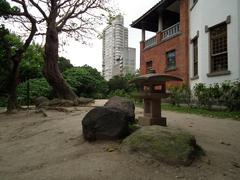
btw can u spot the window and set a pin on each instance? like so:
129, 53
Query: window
193, 3
149, 67
218, 48
195, 57
171, 60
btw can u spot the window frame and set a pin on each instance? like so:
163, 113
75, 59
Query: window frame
150, 68
195, 57
170, 68
193, 4
213, 55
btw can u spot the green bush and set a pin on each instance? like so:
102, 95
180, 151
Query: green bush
230, 95
119, 92
175, 96
180, 95
37, 87
204, 95
86, 81
117, 83
119, 86
226, 94
3, 101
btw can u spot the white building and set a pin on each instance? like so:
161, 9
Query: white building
214, 33
118, 58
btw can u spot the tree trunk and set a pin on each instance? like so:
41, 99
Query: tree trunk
12, 87
51, 69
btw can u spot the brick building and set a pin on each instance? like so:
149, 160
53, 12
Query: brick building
167, 51
191, 41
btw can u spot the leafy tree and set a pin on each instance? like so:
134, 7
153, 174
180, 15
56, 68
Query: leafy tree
75, 18
32, 63
15, 53
5, 48
64, 64
86, 81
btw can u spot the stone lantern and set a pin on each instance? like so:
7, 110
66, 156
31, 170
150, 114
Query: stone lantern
152, 88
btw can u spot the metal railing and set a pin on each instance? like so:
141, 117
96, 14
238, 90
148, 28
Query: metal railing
170, 32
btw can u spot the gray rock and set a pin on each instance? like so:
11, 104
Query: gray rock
41, 102
124, 104
61, 102
83, 100
164, 144
105, 123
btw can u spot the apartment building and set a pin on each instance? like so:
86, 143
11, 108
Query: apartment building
118, 58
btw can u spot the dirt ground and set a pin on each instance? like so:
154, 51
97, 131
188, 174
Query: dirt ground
34, 147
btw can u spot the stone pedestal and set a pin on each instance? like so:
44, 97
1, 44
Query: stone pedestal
148, 121
152, 87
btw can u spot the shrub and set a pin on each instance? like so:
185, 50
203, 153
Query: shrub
86, 81
230, 95
3, 101
119, 92
175, 96
204, 95
38, 87
227, 94
117, 83
180, 95
119, 86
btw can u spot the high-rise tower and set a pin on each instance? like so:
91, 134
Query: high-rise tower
118, 58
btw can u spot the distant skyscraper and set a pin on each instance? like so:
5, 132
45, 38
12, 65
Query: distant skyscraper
118, 58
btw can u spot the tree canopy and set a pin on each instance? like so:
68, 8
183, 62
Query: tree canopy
9, 43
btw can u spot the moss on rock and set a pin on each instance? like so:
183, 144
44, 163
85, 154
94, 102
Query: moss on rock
162, 143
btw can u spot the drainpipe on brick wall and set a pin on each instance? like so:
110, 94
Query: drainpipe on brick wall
143, 35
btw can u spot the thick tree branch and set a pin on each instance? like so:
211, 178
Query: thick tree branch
75, 12
39, 9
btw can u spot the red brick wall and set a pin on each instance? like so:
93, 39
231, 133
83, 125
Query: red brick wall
157, 54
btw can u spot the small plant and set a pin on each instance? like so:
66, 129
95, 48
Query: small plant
203, 95
175, 96
180, 95
231, 95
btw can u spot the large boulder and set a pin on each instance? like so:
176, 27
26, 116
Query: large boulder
105, 123
124, 104
165, 144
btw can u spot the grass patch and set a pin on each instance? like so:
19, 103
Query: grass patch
223, 114
203, 112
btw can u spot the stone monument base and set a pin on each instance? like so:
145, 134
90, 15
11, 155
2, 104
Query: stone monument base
148, 121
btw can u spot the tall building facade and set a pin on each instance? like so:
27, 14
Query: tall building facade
118, 58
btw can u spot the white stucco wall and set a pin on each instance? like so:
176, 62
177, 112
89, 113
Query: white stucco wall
210, 13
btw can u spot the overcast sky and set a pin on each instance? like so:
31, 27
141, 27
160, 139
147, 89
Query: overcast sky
92, 55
